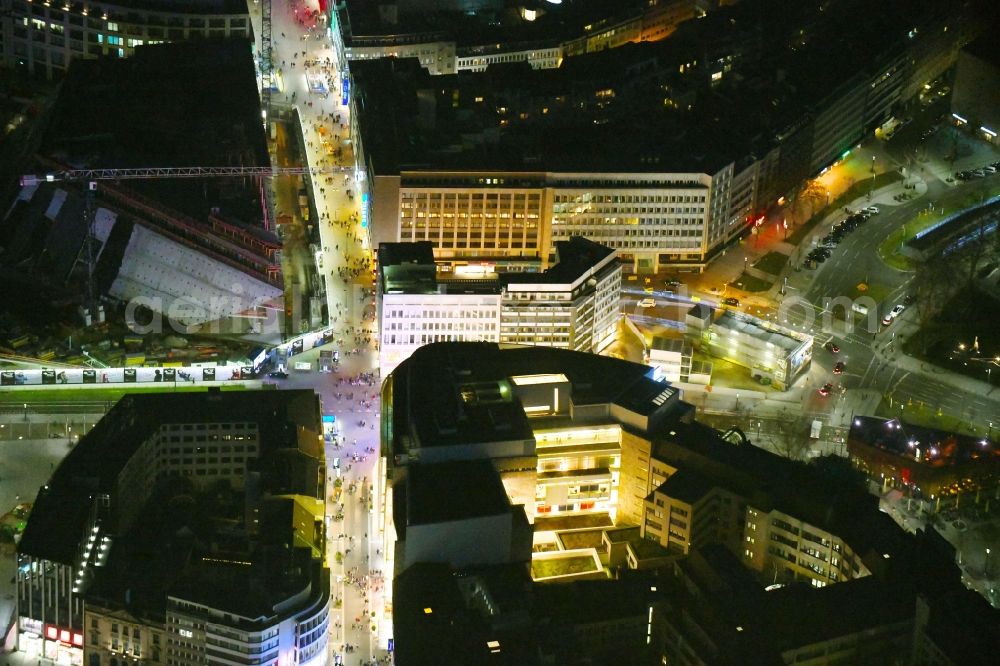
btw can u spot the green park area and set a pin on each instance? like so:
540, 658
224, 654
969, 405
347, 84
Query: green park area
891, 248
97, 395
771, 263
750, 283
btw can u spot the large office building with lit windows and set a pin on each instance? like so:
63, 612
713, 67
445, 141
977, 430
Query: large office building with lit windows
573, 304
447, 175
184, 529
42, 37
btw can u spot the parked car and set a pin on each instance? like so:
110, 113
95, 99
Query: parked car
674, 283
278, 374
891, 315
734, 302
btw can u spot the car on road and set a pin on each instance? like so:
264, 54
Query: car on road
909, 299
959, 525
674, 283
832, 347
826, 389
278, 374
647, 303
648, 290
734, 302
839, 368
891, 315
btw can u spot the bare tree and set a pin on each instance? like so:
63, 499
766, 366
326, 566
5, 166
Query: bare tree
934, 282
791, 436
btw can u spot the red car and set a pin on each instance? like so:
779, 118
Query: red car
825, 389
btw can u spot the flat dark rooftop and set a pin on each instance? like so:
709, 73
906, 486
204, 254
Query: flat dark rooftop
428, 133
395, 254
194, 7
451, 491
169, 105
63, 505
556, 22
686, 485
646, 395
574, 258
454, 393
940, 448
985, 46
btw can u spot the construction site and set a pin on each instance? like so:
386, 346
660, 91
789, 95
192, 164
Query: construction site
140, 230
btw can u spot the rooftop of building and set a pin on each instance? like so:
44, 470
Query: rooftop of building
256, 590
686, 485
799, 614
492, 23
784, 339
819, 493
700, 311
454, 393
402, 254
149, 110
410, 268
576, 259
118, 8
453, 491
479, 134
63, 505
662, 343
434, 623
746, 71
938, 448
647, 396
985, 46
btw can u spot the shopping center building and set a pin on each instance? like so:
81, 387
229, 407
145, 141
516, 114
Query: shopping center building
487, 450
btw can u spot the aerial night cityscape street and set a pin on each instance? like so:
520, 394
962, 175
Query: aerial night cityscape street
527, 332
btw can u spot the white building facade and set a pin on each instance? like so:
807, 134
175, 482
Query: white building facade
409, 321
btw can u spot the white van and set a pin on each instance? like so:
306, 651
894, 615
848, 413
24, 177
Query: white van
860, 308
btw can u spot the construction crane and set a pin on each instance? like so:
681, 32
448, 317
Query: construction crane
266, 64
147, 173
